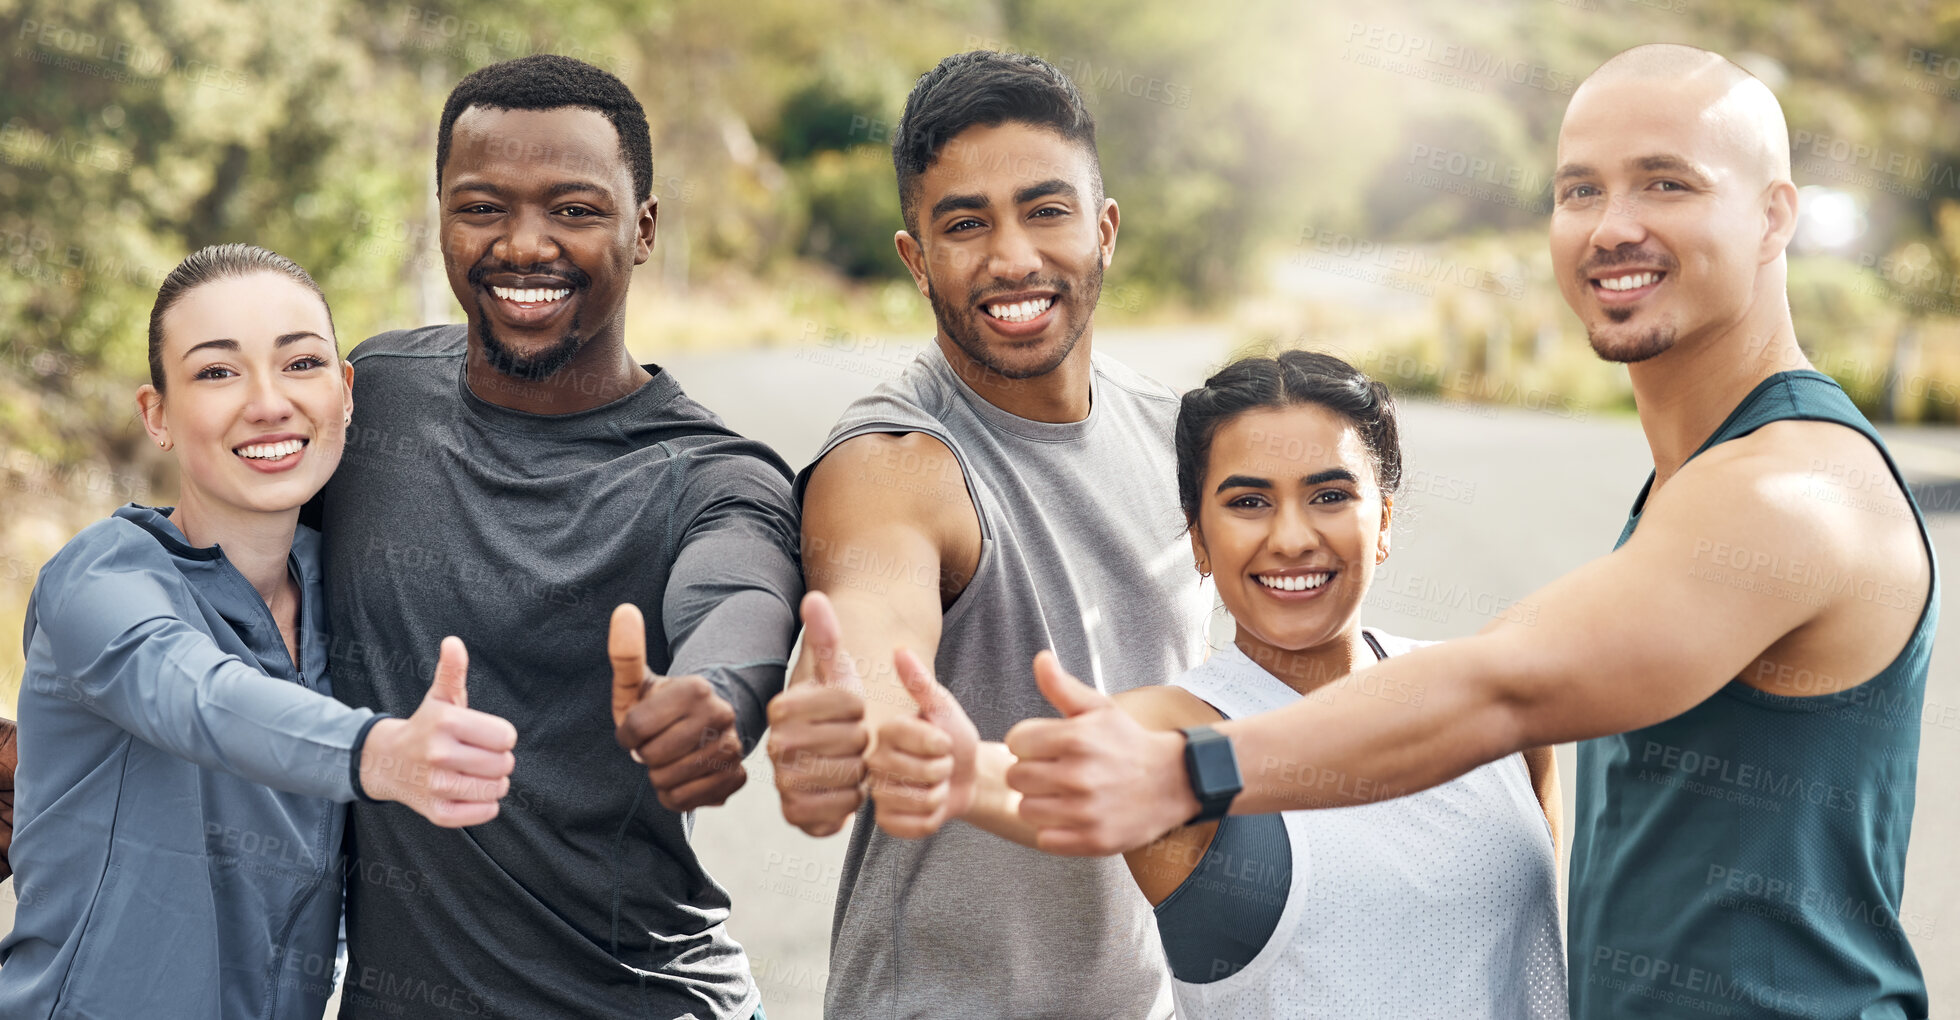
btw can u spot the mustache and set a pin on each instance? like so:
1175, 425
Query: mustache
1060, 286
1625, 256
573, 276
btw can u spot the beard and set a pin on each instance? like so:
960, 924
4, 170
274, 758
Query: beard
534, 367
1624, 350
961, 323
542, 364
1622, 346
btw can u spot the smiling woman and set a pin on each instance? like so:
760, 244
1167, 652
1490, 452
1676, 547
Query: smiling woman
184, 769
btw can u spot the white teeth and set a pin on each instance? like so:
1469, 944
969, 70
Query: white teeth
1630, 282
1020, 311
1299, 582
529, 295
270, 451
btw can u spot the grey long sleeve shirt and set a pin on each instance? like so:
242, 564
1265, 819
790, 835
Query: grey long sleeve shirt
519, 533
180, 798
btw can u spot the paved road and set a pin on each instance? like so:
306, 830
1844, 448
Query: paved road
1498, 502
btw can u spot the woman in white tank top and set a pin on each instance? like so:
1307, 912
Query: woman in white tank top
1441, 904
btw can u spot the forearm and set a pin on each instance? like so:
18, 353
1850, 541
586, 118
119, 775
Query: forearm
212, 709
1344, 747
730, 617
742, 648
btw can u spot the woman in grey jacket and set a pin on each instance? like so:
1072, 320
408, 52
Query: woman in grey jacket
184, 769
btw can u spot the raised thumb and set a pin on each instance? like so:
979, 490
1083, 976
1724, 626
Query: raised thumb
626, 646
935, 702
1066, 693
452, 668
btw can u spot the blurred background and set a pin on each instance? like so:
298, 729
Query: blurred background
1370, 178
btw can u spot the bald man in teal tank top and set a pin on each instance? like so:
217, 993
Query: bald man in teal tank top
1746, 668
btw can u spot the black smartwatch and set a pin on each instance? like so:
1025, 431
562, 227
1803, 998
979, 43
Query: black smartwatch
1213, 769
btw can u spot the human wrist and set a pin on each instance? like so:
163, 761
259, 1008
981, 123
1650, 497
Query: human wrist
1177, 800
378, 758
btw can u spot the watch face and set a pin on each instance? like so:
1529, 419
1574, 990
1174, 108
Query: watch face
1213, 767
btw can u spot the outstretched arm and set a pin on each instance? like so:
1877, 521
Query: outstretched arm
889, 534
729, 618
112, 642
1625, 641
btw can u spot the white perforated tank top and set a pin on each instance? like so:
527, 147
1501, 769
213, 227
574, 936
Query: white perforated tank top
1441, 904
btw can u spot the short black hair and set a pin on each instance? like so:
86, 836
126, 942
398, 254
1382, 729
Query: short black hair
984, 87
1294, 377
547, 81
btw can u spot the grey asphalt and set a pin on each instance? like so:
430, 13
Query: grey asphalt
1498, 502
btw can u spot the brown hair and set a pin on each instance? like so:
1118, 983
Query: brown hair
208, 265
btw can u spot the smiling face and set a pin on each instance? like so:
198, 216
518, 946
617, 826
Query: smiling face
1291, 524
256, 400
1012, 245
540, 233
1665, 210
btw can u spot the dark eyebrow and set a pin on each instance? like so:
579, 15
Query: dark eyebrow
1242, 482
952, 202
567, 187
226, 343
555, 190
1671, 165
1317, 478
1571, 170
222, 343
1052, 186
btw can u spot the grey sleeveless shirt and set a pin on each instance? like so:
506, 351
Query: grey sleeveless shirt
1083, 552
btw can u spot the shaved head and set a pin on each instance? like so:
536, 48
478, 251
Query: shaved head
1672, 203
1728, 99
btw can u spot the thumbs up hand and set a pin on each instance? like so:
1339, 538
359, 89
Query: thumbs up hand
447, 762
679, 727
817, 732
922, 766
1095, 782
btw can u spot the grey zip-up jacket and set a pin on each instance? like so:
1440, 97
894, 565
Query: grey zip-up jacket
160, 869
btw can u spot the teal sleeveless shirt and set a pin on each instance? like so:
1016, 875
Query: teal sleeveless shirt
1747, 857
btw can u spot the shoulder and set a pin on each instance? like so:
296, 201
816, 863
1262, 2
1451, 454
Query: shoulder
1774, 486
707, 446
916, 397
1166, 707
910, 473
102, 556
447, 340
1133, 383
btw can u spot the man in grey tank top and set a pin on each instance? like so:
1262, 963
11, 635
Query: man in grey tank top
1010, 492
